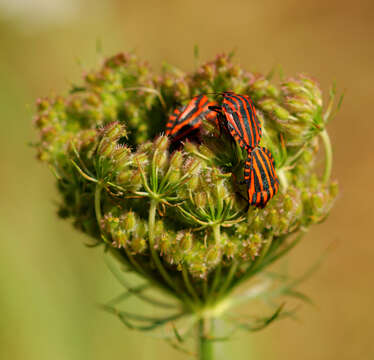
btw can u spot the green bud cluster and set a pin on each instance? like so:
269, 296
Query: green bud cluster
181, 218
296, 109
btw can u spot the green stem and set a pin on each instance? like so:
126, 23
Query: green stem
134, 263
205, 345
217, 233
229, 278
216, 281
217, 274
328, 160
188, 284
98, 189
155, 257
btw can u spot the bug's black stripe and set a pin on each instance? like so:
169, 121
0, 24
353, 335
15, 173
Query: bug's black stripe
254, 199
227, 97
263, 180
272, 162
184, 130
234, 112
247, 115
194, 110
262, 155
256, 176
261, 200
255, 122
173, 118
264, 183
244, 115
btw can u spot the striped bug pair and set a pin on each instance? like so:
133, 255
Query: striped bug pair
237, 116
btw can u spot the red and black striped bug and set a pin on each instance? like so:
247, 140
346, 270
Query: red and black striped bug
259, 174
239, 117
185, 121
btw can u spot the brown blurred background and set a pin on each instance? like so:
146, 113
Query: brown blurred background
50, 283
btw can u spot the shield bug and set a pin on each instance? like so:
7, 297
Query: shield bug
260, 176
238, 115
185, 121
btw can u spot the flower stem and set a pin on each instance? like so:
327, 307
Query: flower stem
217, 273
328, 160
229, 278
217, 233
98, 202
188, 284
155, 257
205, 345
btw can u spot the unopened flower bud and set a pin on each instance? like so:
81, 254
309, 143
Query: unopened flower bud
121, 153
124, 177
222, 192
129, 221
273, 218
106, 147
114, 131
272, 91
298, 104
229, 249
193, 183
164, 243
190, 147
213, 256
174, 177
192, 167
120, 238
176, 160
283, 224
257, 224
136, 181
281, 113
161, 159
138, 245
288, 203
254, 246
268, 105
162, 143
200, 199
186, 241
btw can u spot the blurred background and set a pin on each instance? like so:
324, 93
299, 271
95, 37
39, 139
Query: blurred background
50, 283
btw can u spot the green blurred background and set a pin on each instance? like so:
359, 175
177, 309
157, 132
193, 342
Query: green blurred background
50, 283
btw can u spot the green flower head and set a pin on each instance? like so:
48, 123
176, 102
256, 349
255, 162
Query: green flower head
179, 217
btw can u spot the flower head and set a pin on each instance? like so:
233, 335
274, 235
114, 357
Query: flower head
180, 218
